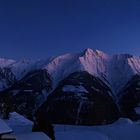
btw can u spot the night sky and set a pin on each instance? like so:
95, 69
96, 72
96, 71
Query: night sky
36, 29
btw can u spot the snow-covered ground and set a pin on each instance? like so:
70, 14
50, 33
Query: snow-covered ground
77, 135
19, 123
21, 128
123, 129
33, 136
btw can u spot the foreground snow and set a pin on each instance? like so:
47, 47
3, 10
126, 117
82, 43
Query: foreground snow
33, 136
80, 136
123, 129
21, 128
19, 124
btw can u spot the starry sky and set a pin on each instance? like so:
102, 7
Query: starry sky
35, 29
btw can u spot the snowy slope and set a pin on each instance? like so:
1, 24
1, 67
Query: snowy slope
19, 124
119, 71
123, 129
6, 78
6, 62
94, 62
21, 68
115, 70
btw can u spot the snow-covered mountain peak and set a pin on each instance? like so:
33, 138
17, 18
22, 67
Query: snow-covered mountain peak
6, 62
88, 51
95, 53
60, 66
121, 68
127, 60
92, 61
21, 68
102, 54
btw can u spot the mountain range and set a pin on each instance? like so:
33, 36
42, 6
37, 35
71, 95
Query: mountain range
87, 88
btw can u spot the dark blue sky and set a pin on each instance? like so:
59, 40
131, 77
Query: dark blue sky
40, 28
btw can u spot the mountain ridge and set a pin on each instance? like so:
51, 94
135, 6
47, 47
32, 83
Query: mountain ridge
116, 69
